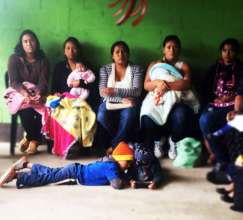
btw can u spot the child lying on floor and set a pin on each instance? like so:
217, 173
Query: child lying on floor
147, 172
108, 171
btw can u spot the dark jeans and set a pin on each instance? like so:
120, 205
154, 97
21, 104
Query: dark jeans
211, 119
179, 125
120, 124
42, 175
31, 122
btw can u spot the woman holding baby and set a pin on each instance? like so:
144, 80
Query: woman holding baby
71, 82
159, 114
61, 82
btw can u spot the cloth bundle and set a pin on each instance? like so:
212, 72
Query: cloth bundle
22, 98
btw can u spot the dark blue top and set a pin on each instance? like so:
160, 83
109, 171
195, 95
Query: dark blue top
100, 173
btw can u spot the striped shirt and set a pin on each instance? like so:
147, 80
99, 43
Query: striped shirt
120, 93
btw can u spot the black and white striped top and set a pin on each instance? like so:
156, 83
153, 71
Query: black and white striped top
119, 93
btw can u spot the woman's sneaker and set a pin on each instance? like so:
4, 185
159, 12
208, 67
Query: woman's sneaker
23, 145
172, 150
158, 148
32, 148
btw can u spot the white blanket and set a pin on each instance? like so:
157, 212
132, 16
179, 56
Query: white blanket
159, 113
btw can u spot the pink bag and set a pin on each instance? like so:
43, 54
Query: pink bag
14, 100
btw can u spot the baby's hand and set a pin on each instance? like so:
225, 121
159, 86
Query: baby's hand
157, 97
75, 84
107, 91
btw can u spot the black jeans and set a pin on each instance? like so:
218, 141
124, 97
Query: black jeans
31, 122
179, 125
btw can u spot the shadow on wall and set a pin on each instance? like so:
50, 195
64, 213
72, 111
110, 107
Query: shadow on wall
202, 56
143, 57
54, 52
94, 57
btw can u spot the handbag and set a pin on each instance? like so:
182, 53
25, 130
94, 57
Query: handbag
117, 105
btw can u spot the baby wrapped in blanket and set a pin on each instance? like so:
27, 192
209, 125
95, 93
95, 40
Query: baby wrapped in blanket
158, 108
80, 74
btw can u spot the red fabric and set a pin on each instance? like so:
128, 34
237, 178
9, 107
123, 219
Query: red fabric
62, 140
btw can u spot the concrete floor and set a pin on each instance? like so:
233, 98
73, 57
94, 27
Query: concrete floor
185, 195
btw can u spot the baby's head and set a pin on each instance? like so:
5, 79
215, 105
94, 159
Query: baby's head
143, 156
80, 67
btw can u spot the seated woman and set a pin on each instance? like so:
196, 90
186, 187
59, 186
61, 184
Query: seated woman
71, 75
29, 64
224, 93
169, 104
71, 83
120, 87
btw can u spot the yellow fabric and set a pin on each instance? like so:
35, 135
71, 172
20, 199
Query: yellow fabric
77, 118
122, 157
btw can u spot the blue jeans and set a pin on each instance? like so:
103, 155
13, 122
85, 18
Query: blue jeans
179, 125
120, 124
212, 119
42, 175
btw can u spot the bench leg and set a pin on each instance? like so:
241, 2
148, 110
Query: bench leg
13, 133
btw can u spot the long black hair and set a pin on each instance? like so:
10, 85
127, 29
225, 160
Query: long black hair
19, 50
231, 41
77, 44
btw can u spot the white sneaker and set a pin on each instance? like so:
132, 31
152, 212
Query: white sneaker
172, 150
158, 148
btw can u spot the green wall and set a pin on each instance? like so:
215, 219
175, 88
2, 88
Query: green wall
201, 25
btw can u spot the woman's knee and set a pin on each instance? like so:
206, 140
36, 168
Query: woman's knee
181, 113
146, 122
205, 120
129, 115
101, 114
